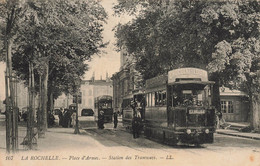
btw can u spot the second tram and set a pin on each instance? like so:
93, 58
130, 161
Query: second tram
104, 103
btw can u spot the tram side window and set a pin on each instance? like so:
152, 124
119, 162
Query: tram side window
150, 99
160, 98
156, 99
153, 99
147, 100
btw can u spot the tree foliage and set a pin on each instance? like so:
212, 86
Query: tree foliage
9, 20
63, 33
220, 36
171, 34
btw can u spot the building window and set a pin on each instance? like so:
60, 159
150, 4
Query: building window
74, 100
223, 107
230, 107
227, 107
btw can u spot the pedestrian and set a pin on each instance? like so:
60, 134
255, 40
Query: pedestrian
101, 119
66, 118
136, 123
51, 119
60, 115
115, 120
74, 119
218, 118
133, 105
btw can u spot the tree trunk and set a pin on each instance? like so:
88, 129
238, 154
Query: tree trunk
50, 104
45, 95
216, 93
11, 110
33, 98
30, 112
40, 127
7, 116
254, 116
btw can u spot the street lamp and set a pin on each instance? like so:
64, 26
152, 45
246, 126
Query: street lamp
77, 85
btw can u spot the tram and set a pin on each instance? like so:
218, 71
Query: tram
129, 110
179, 107
104, 103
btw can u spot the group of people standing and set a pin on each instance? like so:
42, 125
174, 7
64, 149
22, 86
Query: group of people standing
67, 118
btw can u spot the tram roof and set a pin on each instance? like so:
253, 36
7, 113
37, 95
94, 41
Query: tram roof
104, 97
192, 82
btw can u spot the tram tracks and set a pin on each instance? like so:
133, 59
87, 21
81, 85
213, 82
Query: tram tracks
104, 136
141, 146
169, 148
184, 148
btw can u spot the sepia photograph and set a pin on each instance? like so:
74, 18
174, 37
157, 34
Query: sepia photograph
130, 82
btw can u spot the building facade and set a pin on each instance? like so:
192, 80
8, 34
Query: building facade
125, 82
234, 105
89, 90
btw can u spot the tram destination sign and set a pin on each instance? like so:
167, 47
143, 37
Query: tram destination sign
196, 111
192, 73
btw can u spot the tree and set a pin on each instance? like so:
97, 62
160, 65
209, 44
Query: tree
57, 37
238, 59
9, 19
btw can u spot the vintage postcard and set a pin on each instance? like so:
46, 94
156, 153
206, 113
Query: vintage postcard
121, 82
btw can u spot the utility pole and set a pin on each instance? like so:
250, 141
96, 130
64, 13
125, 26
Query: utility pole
76, 131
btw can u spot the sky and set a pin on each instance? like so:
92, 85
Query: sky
108, 62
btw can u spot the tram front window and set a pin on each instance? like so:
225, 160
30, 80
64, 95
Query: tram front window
188, 97
106, 105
